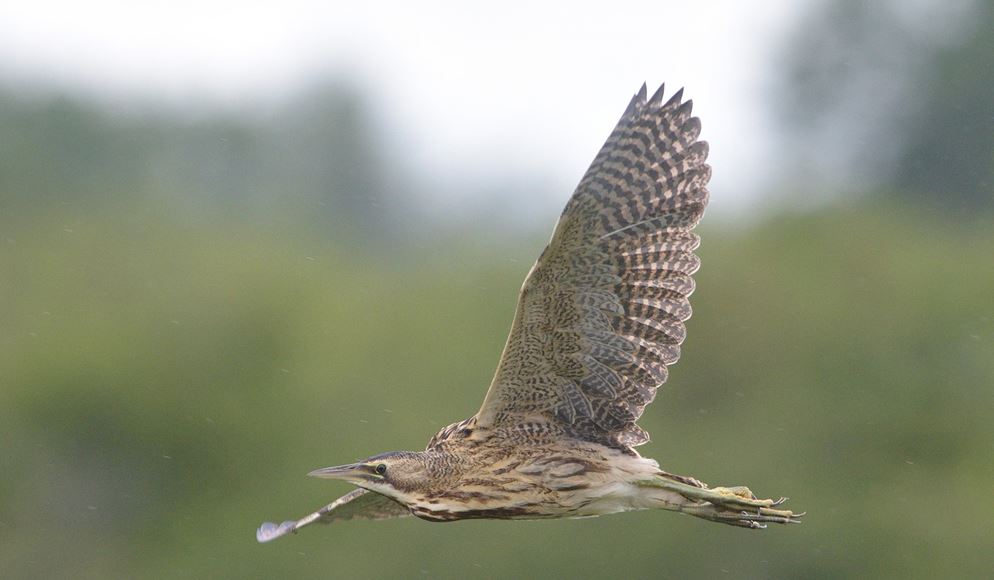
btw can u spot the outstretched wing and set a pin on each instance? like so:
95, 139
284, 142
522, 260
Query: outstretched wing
601, 314
358, 504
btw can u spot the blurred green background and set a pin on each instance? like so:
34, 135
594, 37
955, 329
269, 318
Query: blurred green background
197, 311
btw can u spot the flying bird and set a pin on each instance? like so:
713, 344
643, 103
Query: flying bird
599, 319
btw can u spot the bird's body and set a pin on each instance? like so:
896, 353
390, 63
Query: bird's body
483, 477
600, 317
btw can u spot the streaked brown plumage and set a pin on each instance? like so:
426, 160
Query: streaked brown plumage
600, 317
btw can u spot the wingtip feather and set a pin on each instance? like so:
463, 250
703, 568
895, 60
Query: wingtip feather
675, 99
657, 97
269, 531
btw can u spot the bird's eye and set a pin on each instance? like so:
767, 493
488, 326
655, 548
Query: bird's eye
380, 469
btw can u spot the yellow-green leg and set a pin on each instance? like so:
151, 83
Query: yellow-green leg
736, 506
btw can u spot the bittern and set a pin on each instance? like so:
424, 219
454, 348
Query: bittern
600, 316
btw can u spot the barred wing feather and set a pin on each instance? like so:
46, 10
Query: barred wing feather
601, 314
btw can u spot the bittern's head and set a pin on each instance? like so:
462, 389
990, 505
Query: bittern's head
393, 474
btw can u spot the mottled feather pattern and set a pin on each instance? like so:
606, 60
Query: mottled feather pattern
601, 315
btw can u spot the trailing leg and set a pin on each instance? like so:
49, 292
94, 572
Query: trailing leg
736, 506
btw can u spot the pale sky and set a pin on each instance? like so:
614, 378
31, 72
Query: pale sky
469, 89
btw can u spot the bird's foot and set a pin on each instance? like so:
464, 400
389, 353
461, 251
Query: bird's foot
736, 506
742, 495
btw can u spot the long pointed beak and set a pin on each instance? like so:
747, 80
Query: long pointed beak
353, 472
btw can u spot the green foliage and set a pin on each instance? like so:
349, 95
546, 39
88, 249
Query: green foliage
166, 386
315, 159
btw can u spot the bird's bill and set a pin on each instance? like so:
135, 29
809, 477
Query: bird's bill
352, 472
